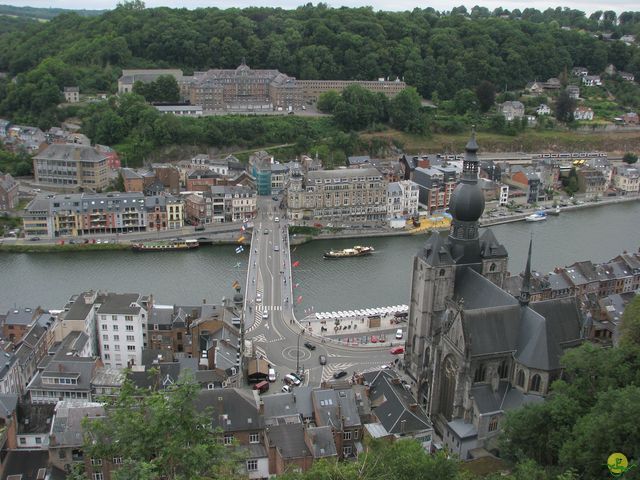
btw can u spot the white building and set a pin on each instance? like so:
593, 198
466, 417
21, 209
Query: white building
394, 200
504, 195
591, 81
543, 109
122, 327
583, 113
627, 179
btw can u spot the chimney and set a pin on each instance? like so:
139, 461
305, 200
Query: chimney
403, 424
395, 381
413, 407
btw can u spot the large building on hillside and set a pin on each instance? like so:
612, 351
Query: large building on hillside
71, 167
245, 89
473, 350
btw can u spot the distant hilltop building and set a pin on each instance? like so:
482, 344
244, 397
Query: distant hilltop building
246, 89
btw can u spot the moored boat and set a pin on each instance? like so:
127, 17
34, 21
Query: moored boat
553, 211
165, 245
357, 251
536, 217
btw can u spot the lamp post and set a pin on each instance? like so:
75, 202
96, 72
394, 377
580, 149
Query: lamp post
298, 353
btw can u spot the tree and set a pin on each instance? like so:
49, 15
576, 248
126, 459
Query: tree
630, 328
164, 89
486, 95
630, 158
327, 101
565, 105
158, 434
405, 112
464, 101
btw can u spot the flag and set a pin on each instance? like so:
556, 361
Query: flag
239, 249
295, 264
242, 228
299, 299
241, 239
236, 284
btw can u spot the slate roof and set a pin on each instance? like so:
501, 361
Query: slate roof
558, 282
67, 426
19, 316
8, 403
60, 151
303, 400
322, 442
478, 292
490, 247
391, 403
279, 405
289, 440
505, 398
81, 366
436, 251
233, 409
118, 304
358, 159
342, 173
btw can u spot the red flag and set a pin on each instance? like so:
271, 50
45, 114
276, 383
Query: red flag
296, 285
299, 299
296, 263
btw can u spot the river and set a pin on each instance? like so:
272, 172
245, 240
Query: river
47, 279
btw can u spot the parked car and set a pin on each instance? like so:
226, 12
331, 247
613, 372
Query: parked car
292, 379
340, 374
266, 231
199, 228
276, 248
322, 359
276, 219
34, 239
272, 375
399, 334
310, 345
374, 339
286, 389
397, 350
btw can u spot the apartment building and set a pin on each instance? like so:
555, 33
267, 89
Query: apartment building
343, 194
70, 167
435, 186
164, 212
627, 179
402, 199
312, 89
122, 328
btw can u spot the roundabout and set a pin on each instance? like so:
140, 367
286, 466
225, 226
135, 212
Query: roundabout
294, 353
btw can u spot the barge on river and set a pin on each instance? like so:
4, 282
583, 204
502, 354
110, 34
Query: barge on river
165, 245
356, 251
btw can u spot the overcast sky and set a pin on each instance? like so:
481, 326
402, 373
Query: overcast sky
584, 5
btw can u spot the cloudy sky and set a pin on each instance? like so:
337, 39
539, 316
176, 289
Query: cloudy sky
584, 5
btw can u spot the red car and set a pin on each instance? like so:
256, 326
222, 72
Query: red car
374, 339
397, 350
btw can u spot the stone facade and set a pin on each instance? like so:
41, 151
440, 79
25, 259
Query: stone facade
71, 168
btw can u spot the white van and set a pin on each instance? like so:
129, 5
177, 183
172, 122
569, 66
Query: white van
399, 334
272, 375
291, 380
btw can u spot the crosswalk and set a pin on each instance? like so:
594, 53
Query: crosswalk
331, 368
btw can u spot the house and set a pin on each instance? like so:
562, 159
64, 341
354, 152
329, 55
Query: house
402, 199
573, 91
237, 413
8, 192
336, 408
18, 321
543, 109
592, 180
535, 88
397, 414
629, 77
579, 72
626, 179
630, 118
288, 449
628, 39
552, 84
583, 113
66, 438
202, 180
63, 378
527, 179
512, 110
591, 81
71, 94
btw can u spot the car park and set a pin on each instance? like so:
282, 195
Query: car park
310, 345
397, 350
322, 359
340, 374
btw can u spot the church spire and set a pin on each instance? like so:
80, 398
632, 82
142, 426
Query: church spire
525, 291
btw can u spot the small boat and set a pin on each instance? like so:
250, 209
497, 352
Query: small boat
553, 211
165, 245
356, 251
536, 217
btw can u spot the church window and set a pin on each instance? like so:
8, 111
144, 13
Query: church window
442, 272
493, 423
492, 268
480, 373
520, 378
503, 369
535, 383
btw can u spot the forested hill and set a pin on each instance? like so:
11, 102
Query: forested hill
437, 53
42, 13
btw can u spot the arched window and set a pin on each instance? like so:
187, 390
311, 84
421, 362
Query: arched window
535, 383
480, 373
520, 378
442, 272
492, 267
493, 423
503, 370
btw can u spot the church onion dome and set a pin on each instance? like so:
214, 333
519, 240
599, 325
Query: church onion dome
467, 203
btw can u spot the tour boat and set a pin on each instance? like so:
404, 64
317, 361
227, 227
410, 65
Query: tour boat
356, 251
165, 245
536, 217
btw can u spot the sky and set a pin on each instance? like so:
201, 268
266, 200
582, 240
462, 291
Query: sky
587, 6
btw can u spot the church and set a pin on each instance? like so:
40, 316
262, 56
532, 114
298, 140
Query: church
473, 350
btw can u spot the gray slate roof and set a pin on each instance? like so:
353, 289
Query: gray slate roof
289, 440
233, 409
118, 304
59, 151
322, 442
504, 398
67, 423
